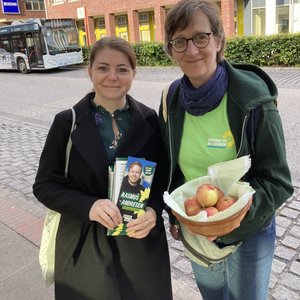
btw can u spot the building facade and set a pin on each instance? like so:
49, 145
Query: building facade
272, 16
143, 20
19, 10
133, 20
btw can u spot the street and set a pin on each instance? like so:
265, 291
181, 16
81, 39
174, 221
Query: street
28, 104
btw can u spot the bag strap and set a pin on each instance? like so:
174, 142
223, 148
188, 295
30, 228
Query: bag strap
69, 144
167, 95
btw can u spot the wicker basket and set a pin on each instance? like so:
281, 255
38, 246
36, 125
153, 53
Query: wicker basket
215, 228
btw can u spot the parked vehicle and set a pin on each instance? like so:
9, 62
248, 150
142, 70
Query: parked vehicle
39, 44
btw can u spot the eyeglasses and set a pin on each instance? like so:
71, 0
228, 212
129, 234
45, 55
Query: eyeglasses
200, 40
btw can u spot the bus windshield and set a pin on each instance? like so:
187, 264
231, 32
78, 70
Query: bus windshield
60, 36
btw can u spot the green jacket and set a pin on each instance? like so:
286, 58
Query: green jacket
269, 175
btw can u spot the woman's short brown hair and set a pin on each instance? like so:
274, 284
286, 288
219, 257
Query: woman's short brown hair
115, 43
180, 16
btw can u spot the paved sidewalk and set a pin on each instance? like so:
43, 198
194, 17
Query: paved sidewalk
21, 219
20, 231
20, 275
21, 216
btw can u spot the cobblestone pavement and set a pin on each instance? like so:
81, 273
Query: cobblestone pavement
20, 147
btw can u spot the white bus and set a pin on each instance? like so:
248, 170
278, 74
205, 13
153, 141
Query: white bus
39, 44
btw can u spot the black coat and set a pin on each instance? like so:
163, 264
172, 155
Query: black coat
88, 264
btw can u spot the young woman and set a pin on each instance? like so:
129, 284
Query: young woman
109, 123
213, 102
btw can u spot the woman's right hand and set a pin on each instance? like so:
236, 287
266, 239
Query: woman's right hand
105, 212
174, 230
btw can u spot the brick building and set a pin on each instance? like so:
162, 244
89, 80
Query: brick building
133, 20
19, 10
143, 20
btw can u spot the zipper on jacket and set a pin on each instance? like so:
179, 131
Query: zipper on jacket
171, 152
242, 136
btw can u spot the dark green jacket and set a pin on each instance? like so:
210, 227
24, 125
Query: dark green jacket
248, 87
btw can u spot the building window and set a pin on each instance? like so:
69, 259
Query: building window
56, 1
259, 17
282, 16
282, 2
145, 26
259, 3
282, 19
100, 23
35, 5
259, 21
144, 18
121, 20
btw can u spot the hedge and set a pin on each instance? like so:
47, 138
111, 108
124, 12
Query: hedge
273, 50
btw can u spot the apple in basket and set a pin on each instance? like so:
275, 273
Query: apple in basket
208, 195
211, 211
225, 202
191, 206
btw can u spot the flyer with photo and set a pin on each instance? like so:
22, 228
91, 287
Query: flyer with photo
134, 190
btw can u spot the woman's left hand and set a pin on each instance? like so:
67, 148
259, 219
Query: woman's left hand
140, 227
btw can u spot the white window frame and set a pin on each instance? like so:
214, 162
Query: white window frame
57, 2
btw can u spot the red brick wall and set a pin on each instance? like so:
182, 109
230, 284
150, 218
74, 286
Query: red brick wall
108, 9
227, 13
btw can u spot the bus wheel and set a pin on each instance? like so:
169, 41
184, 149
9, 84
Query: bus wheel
22, 66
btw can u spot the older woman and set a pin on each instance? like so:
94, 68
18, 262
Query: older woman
213, 101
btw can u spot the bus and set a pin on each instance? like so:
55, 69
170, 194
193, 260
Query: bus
39, 44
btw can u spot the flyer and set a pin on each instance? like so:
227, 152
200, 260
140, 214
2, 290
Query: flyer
134, 190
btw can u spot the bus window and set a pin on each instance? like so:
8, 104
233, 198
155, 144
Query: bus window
61, 39
18, 43
4, 44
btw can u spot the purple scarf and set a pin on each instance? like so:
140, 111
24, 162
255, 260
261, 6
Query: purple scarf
207, 97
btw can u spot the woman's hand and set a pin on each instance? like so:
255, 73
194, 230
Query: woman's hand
105, 212
140, 227
174, 230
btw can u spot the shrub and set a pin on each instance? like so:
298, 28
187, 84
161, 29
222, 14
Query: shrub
151, 54
273, 50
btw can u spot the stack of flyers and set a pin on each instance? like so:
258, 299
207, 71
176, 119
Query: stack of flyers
130, 184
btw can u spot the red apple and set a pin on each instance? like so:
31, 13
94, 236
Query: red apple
225, 202
208, 195
191, 206
220, 192
211, 210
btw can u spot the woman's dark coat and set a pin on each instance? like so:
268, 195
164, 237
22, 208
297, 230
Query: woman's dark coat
88, 264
